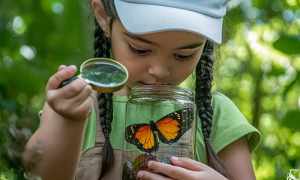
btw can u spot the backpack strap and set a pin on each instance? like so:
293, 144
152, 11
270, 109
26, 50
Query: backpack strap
90, 164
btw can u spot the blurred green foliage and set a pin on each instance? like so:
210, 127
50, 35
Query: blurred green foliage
35, 37
258, 67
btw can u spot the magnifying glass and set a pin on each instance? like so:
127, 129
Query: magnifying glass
103, 74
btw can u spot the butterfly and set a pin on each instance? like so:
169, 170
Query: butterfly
168, 129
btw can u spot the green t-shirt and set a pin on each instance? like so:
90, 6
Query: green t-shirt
229, 125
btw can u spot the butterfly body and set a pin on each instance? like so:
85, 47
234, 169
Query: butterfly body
153, 126
167, 129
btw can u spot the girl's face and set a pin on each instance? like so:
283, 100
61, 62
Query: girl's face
158, 58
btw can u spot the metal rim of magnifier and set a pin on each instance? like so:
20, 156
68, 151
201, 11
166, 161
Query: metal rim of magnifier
109, 61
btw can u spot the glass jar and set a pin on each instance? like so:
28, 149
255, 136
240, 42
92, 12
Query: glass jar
159, 123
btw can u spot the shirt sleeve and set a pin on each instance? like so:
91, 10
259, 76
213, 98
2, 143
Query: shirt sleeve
229, 125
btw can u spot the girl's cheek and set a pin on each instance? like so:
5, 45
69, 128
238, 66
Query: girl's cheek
136, 75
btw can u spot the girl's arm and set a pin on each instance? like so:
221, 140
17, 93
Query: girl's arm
53, 150
236, 159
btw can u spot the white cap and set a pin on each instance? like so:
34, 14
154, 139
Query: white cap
204, 17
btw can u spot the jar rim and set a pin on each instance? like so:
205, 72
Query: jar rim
161, 90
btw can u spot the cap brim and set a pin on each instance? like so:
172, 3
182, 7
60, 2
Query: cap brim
145, 18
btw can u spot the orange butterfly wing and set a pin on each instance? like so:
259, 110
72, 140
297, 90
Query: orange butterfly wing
142, 136
171, 127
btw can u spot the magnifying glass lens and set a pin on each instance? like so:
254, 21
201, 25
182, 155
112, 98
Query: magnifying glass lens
103, 74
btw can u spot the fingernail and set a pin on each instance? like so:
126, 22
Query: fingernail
139, 174
72, 66
174, 158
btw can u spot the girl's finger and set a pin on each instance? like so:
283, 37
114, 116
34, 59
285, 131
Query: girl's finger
86, 107
188, 163
73, 89
145, 175
175, 172
60, 76
84, 94
61, 67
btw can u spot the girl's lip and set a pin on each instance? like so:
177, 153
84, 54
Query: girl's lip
143, 83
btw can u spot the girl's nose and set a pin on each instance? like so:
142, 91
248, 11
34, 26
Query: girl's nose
159, 71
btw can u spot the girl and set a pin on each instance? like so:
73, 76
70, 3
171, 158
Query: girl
160, 42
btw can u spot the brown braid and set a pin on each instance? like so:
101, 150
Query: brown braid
204, 77
102, 46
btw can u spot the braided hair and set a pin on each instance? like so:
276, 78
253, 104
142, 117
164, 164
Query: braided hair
204, 77
102, 46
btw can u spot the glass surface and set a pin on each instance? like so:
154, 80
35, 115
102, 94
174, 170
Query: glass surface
158, 125
103, 74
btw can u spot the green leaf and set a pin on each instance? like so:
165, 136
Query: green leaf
288, 44
277, 70
290, 85
291, 120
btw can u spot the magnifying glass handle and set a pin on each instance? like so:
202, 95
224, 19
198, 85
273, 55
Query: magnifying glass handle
67, 81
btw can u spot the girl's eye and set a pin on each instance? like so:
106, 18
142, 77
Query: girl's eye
139, 51
183, 57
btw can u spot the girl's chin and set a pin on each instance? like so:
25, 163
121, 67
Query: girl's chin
126, 89
123, 92
143, 84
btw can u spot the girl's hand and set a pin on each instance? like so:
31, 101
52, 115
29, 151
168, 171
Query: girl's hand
182, 168
72, 101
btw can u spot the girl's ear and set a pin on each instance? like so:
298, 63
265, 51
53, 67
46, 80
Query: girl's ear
102, 18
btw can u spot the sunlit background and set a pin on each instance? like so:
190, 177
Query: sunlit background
258, 67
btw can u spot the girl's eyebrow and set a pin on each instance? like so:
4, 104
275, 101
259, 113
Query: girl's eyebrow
189, 46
